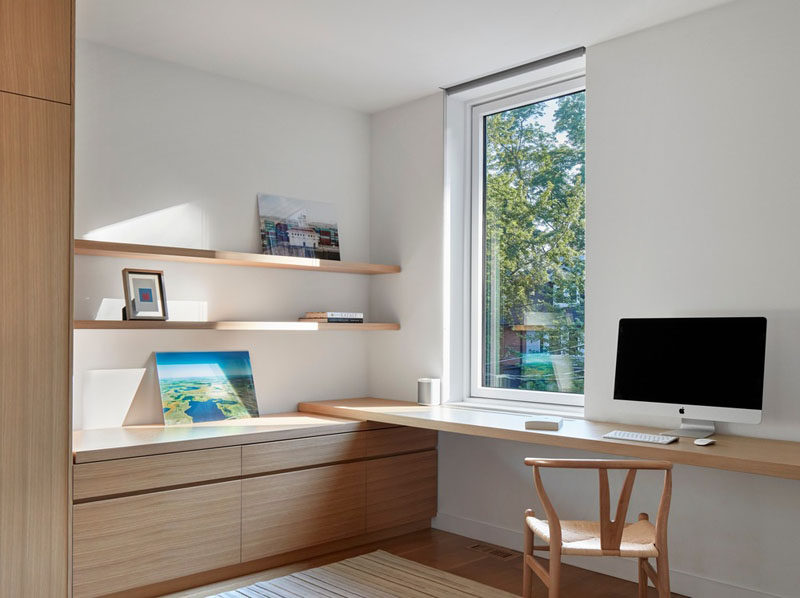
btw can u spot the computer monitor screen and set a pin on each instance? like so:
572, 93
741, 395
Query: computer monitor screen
712, 362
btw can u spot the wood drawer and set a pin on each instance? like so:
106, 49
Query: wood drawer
122, 476
302, 452
391, 441
401, 490
127, 542
288, 511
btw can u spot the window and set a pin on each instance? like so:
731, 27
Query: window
528, 251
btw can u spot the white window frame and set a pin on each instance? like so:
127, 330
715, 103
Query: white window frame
475, 250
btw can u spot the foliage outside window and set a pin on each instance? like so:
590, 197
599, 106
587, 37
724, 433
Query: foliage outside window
534, 251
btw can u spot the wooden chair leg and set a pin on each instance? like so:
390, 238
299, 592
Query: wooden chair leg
527, 573
642, 579
662, 573
555, 573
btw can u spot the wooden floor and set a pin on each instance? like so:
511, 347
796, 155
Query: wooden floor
452, 553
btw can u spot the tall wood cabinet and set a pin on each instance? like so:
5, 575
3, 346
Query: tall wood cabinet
35, 295
36, 48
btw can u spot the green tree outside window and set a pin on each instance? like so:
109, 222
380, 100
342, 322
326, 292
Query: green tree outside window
534, 214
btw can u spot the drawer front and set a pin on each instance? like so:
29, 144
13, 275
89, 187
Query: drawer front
401, 490
122, 476
287, 511
123, 543
392, 441
302, 452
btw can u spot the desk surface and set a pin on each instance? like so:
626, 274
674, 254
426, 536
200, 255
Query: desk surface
138, 441
776, 458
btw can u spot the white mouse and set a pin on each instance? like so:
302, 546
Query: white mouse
704, 441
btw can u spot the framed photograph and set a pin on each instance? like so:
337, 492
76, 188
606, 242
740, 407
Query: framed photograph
298, 228
145, 298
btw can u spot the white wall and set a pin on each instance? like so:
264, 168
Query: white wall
406, 227
151, 136
692, 185
174, 156
691, 138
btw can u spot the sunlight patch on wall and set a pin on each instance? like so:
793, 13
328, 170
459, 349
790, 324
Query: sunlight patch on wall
184, 225
110, 309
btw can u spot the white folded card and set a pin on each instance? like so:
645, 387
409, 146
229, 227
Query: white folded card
544, 422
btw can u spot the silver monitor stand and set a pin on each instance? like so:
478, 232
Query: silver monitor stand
693, 428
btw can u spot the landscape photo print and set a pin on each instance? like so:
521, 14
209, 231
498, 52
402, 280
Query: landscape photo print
298, 228
206, 386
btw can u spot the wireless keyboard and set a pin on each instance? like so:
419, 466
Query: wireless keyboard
639, 437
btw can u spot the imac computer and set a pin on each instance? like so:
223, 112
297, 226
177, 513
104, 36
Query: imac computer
700, 369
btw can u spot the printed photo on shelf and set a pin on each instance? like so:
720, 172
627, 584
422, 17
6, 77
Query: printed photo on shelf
145, 297
298, 228
206, 386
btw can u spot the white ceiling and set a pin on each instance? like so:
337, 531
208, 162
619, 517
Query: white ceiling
364, 54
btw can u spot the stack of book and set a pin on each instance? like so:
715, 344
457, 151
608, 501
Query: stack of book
340, 317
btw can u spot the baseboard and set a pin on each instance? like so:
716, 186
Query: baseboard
682, 582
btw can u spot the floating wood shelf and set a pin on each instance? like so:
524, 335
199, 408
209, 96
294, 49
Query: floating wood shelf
266, 326
228, 258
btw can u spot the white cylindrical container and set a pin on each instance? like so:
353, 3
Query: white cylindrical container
428, 391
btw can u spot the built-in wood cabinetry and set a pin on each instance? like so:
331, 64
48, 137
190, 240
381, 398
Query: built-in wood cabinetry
292, 510
400, 489
266, 457
153, 472
149, 519
391, 441
123, 543
36, 48
35, 302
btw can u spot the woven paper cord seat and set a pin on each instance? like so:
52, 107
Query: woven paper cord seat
583, 538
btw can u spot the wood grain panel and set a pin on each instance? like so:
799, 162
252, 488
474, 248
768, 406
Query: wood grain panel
762, 456
401, 489
294, 510
124, 476
303, 452
35, 340
36, 48
391, 441
123, 543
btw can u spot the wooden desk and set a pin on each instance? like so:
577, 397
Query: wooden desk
775, 458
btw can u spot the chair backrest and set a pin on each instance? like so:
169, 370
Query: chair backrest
610, 530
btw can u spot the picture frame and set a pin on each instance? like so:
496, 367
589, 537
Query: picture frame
145, 295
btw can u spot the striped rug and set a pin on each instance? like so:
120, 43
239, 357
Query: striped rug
374, 575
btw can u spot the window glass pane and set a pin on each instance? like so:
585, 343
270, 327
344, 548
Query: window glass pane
533, 296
